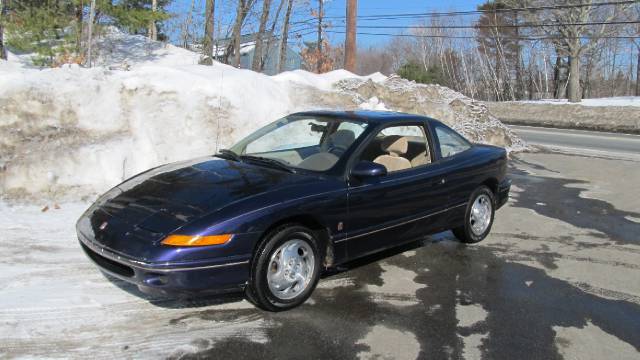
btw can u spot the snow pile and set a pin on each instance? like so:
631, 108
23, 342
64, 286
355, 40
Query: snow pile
72, 132
610, 101
116, 49
471, 118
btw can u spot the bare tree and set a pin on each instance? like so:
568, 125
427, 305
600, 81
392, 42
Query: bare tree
207, 44
257, 53
576, 37
634, 31
242, 10
285, 36
271, 35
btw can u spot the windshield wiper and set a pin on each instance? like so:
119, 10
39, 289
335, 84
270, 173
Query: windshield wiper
268, 161
226, 153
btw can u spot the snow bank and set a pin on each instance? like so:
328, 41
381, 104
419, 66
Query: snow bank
610, 101
72, 132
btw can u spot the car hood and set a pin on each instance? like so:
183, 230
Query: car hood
159, 201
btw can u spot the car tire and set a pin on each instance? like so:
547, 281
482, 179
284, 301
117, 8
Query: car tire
478, 217
276, 284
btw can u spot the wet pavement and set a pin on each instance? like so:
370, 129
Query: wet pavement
559, 277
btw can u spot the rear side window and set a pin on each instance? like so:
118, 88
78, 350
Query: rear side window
451, 142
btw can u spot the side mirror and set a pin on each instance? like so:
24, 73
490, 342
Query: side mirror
367, 169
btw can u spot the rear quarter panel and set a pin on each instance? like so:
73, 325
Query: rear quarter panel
470, 169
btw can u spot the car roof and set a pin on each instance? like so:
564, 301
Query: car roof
370, 116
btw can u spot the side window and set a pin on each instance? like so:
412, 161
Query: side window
399, 148
451, 142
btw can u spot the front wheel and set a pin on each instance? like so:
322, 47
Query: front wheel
285, 269
478, 216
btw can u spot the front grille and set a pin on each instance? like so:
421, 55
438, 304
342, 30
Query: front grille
108, 264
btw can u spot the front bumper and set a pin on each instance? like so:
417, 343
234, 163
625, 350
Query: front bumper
169, 279
503, 193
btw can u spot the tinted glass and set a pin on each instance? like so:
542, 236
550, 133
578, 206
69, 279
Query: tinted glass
451, 142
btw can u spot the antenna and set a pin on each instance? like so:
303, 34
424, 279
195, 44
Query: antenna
219, 109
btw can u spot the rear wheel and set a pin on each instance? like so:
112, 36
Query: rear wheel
478, 216
285, 269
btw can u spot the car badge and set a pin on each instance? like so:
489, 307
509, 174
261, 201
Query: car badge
103, 225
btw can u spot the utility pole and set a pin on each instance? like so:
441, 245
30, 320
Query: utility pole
320, 15
92, 15
350, 43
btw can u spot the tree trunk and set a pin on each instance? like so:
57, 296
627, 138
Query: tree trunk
271, 35
3, 51
257, 53
638, 74
92, 14
586, 89
556, 77
241, 12
573, 91
207, 43
153, 29
519, 83
285, 32
79, 19
319, 47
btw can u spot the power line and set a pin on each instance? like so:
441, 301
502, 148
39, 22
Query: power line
490, 11
473, 37
493, 26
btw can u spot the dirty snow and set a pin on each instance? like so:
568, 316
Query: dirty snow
609, 101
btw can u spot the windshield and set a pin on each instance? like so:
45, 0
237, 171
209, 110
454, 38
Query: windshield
306, 142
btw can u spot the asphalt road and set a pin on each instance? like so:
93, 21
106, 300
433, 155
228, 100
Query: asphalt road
582, 141
556, 278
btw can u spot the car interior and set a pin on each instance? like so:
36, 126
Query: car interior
397, 152
330, 151
397, 147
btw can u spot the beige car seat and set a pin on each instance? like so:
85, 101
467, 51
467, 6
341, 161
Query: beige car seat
395, 146
421, 159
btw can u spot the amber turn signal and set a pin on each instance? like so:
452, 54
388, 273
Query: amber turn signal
197, 240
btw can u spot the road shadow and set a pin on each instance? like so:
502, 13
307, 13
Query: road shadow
553, 197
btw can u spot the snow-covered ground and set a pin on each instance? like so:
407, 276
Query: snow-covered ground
609, 101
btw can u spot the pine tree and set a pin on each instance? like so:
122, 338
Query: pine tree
52, 30
43, 29
135, 15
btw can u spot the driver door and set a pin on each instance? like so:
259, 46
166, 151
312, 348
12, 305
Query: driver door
402, 205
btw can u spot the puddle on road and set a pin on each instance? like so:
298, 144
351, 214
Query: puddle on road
466, 297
